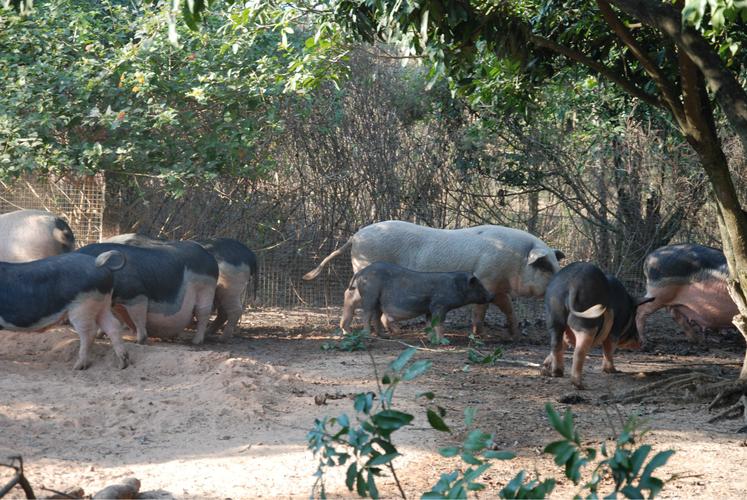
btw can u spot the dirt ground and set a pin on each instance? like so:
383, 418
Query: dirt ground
229, 420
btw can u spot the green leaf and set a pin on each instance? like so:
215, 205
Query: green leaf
555, 446
638, 458
363, 402
554, 418
436, 421
477, 441
416, 369
499, 455
382, 459
471, 459
657, 461
427, 395
343, 420
350, 476
372, 485
512, 488
360, 484
402, 359
391, 420
631, 491
449, 451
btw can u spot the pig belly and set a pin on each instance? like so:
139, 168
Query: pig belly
706, 303
398, 314
40, 325
167, 320
82, 302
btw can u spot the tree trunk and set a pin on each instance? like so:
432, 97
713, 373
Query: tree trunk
702, 136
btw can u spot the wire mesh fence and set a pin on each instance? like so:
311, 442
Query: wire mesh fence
79, 200
290, 230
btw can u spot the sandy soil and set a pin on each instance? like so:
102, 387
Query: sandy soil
229, 420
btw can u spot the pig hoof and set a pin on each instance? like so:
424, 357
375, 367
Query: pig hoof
579, 385
608, 369
124, 361
197, 340
547, 371
142, 341
81, 365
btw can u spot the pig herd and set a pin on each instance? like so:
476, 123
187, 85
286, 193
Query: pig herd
155, 287
401, 271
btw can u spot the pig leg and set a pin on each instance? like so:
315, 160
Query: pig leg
390, 324
643, 312
367, 318
503, 301
584, 341
478, 318
378, 325
220, 320
203, 308
553, 365
437, 316
232, 309
138, 314
679, 316
83, 319
352, 300
608, 349
109, 324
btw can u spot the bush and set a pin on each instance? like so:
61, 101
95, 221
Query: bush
364, 443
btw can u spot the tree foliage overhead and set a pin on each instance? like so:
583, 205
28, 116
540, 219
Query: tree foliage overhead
99, 86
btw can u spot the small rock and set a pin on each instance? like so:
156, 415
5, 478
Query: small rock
572, 399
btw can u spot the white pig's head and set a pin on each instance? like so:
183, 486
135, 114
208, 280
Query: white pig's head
541, 264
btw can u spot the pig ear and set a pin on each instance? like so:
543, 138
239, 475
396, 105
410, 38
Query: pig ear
645, 300
559, 254
540, 258
535, 255
473, 280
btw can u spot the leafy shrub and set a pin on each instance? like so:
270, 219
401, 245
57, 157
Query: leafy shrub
350, 342
365, 445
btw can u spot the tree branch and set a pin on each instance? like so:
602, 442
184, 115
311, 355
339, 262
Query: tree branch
600, 68
668, 92
667, 18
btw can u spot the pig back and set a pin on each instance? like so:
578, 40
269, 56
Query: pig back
33, 234
59, 280
684, 263
424, 249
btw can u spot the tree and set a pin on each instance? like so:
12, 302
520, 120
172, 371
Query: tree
94, 86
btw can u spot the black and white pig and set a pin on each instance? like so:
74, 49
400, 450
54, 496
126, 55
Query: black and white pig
237, 265
389, 293
584, 307
27, 235
691, 282
162, 287
39, 295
